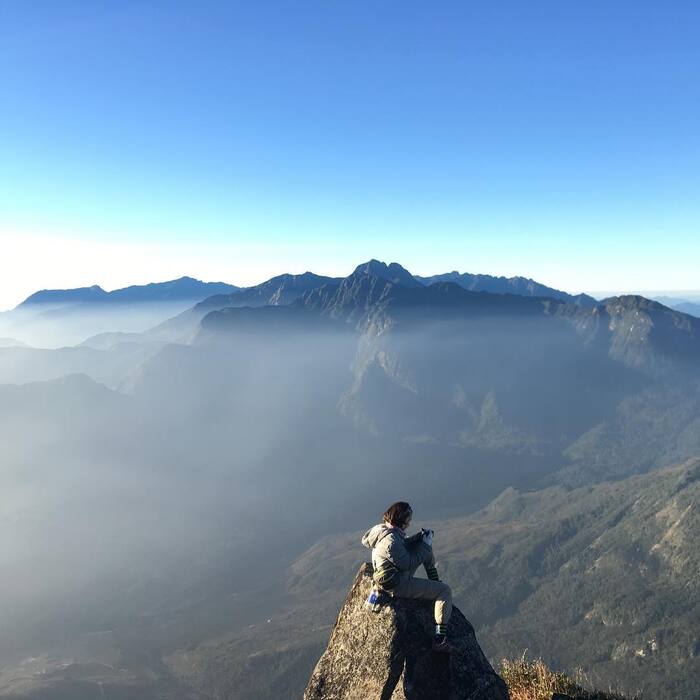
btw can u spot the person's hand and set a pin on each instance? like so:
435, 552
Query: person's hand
428, 537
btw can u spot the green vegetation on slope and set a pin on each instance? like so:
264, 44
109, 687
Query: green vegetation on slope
602, 578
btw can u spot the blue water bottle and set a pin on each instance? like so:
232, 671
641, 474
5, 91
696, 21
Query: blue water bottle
373, 603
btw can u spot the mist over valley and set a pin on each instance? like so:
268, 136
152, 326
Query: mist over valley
180, 492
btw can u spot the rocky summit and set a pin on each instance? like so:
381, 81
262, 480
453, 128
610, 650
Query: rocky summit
387, 655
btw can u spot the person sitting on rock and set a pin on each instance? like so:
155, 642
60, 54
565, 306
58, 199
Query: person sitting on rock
395, 558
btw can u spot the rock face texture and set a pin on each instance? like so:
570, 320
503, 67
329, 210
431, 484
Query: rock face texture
388, 656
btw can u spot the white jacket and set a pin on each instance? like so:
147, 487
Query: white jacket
389, 543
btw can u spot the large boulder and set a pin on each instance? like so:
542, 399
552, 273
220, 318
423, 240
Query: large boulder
387, 655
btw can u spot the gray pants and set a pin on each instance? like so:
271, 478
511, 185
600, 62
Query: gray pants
425, 589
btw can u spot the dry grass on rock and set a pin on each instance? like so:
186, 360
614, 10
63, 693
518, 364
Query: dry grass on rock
533, 680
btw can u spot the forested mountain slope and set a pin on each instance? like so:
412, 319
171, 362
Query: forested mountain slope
601, 578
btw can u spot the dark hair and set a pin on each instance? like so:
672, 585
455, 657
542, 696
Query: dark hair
398, 513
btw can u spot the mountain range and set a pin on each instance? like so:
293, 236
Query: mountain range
284, 288
521, 286
213, 474
186, 288
60, 317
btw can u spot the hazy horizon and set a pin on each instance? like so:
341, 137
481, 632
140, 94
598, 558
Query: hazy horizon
233, 141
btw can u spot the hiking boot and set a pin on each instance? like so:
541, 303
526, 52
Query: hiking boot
442, 646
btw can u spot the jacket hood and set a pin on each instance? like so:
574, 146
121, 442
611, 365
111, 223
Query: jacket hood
372, 537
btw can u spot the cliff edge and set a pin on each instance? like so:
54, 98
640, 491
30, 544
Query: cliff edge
387, 655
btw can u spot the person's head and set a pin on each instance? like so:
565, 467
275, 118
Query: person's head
398, 514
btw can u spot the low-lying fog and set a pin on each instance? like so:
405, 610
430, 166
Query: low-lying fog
55, 326
225, 459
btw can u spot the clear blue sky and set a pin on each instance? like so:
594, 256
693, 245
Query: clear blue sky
558, 140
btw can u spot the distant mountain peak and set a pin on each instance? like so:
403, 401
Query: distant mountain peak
633, 301
183, 288
66, 296
393, 272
